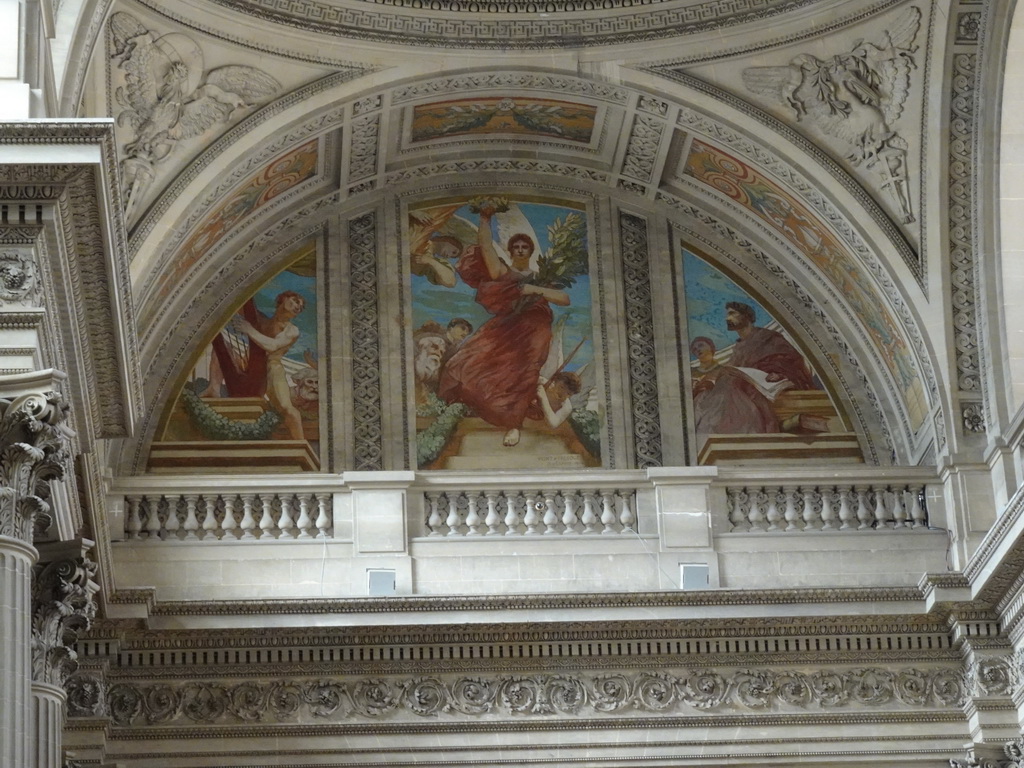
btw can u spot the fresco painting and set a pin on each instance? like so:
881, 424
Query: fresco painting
502, 335
280, 175
518, 115
804, 230
252, 399
750, 379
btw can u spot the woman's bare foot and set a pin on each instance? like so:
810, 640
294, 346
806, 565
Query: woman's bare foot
511, 438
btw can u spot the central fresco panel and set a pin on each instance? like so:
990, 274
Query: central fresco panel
502, 334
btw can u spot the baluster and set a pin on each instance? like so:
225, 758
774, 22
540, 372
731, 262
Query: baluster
828, 512
737, 516
589, 518
511, 516
210, 518
191, 521
134, 525
323, 517
789, 493
811, 515
550, 518
772, 514
286, 524
845, 513
755, 514
899, 512
608, 516
434, 518
172, 524
248, 521
881, 511
473, 520
569, 518
626, 516
918, 510
454, 520
493, 519
305, 522
153, 526
863, 513
230, 524
267, 524
532, 518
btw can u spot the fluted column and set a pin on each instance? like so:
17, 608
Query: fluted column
62, 606
16, 559
33, 451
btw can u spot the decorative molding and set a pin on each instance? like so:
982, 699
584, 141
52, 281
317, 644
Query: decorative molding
368, 434
582, 695
506, 81
363, 141
63, 605
519, 29
643, 368
642, 150
441, 604
34, 451
962, 150
973, 415
505, 165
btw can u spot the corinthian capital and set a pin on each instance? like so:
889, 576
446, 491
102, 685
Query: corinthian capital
34, 448
63, 605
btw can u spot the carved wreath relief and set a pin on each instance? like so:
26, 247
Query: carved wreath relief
168, 97
856, 97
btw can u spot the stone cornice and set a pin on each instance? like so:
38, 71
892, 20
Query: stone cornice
90, 290
438, 603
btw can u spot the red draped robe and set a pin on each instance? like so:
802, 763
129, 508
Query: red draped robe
497, 369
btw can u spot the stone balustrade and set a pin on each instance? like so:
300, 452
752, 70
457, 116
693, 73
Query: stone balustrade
212, 516
530, 512
827, 507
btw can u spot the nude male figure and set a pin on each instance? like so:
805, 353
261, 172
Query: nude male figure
275, 336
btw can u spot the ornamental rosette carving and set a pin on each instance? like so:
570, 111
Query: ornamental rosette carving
33, 452
19, 278
989, 676
87, 695
62, 607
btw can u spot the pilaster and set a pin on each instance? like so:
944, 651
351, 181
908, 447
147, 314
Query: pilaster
33, 452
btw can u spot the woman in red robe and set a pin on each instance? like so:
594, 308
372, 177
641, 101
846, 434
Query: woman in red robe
497, 369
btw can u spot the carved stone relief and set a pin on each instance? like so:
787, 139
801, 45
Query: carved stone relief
19, 279
579, 694
369, 451
168, 96
856, 97
63, 605
34, 445
643, 373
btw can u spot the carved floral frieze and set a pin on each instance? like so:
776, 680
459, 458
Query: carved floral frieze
592, 695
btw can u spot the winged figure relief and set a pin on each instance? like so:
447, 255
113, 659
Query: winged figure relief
856, 97
168, 97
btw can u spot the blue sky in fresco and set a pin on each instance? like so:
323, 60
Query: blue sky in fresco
434, 302
707, 291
